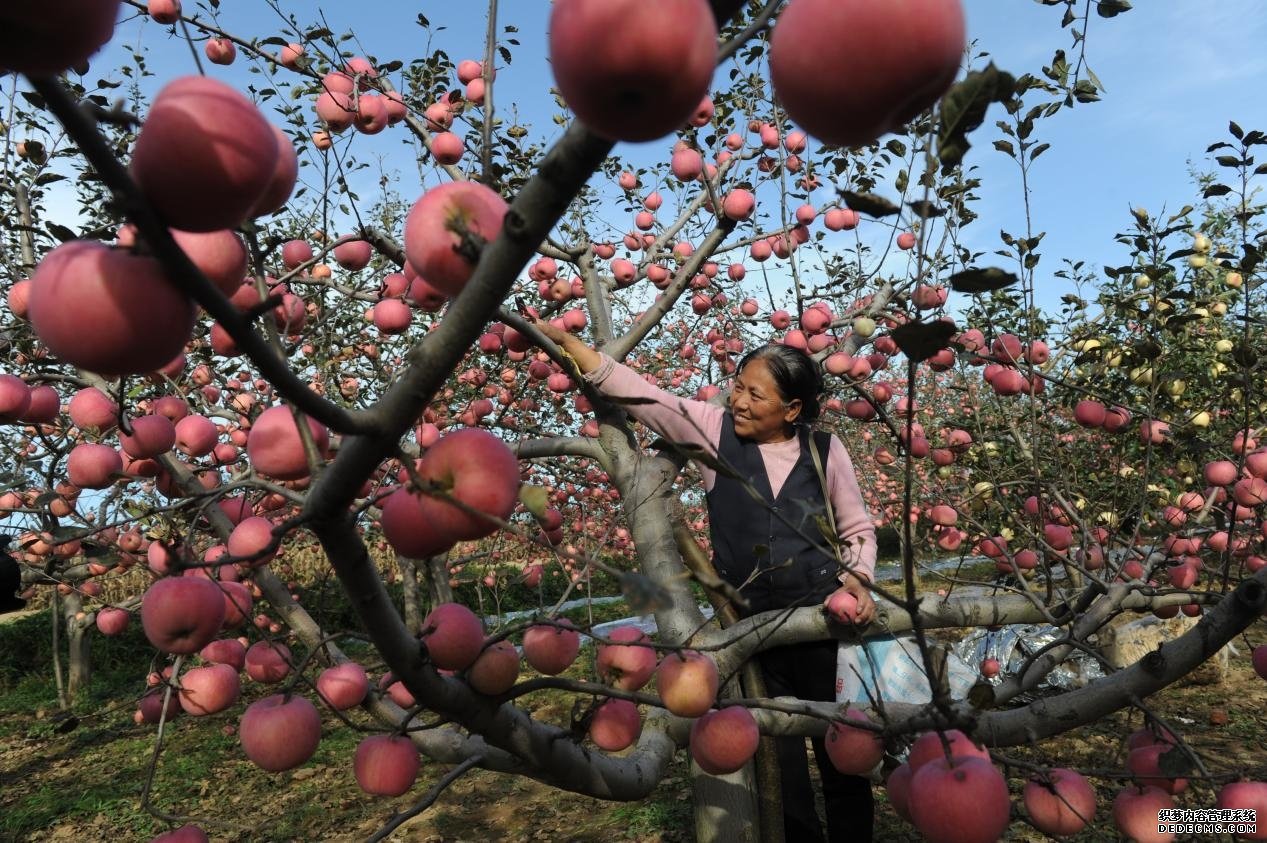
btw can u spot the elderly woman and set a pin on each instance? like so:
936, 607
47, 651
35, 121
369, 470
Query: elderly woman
765, 526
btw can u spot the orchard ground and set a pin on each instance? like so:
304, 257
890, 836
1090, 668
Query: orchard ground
80, 778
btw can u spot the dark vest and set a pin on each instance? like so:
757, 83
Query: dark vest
751, 535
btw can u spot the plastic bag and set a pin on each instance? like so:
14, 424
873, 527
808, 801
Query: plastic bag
889, 668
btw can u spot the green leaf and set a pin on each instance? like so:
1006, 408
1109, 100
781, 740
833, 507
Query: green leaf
1216, 190
869, 204
982, 280
1227, 160
535, 499
61, 232
1236, 130
1005, 147
963, 110
921, 340
1111, 8
1038, 150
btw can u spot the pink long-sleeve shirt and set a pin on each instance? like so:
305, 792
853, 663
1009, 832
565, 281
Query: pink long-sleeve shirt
699, 423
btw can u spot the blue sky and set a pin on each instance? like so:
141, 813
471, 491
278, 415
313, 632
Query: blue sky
1175, 73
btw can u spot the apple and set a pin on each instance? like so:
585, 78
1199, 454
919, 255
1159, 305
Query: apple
392, 316
496, 670
274, 446
181, 614
195, 435
1060, 803
848, 71
268, 662
475, 469
151, 435
353, 255
107, 310
289, 55
280, 732
1246, 795
1135, 813
188, 833
842, 607
852, 750
15, 398
44, 407
238, 602
386, 765
898, 787
36, 42
615, 725
250, 538
203, 141
1090, 414
208, 690
1259, 659
111, 621
166, 12
989, 668
626, 663
343, 686
550, 649
447, 148
629, 72
723, 741
92, 466
454, 636
151, 706
687, 682
228, 651
220, 51
446, 230
928, 747
738, 204
959, 800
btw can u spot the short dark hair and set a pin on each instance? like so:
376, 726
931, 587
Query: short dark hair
795, 374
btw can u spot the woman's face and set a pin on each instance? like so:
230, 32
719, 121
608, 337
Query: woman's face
759, 409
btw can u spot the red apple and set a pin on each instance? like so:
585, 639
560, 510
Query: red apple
454, 636
630, 72
279, 733
204, 155
111, 621
625, 663
849, 71
550, 649
250, 538
723, 741
842, 607
1246, 796
268, 662
40, 41
961, 800
274, 446
228, 651
343, 686
107, 310
386, 765
181, 614
188, 833
687, 682
852, 750
1135, 813
615, 725
1061, 803
92, 466
208, 690
496, 670
447, 228
928, 747
44, 406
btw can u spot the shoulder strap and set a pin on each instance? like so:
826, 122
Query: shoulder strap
816, 440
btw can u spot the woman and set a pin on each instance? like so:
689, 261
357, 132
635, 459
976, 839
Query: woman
766, 536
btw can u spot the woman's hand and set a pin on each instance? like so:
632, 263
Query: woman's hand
554, 333
854, 585
586, 358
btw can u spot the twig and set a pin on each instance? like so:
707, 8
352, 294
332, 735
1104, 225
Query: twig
427, 800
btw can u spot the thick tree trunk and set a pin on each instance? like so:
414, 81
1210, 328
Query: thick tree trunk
78, 646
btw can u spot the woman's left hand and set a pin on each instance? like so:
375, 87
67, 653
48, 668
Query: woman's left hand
862, 593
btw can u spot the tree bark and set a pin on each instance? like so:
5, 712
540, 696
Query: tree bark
78, 646
409, 585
